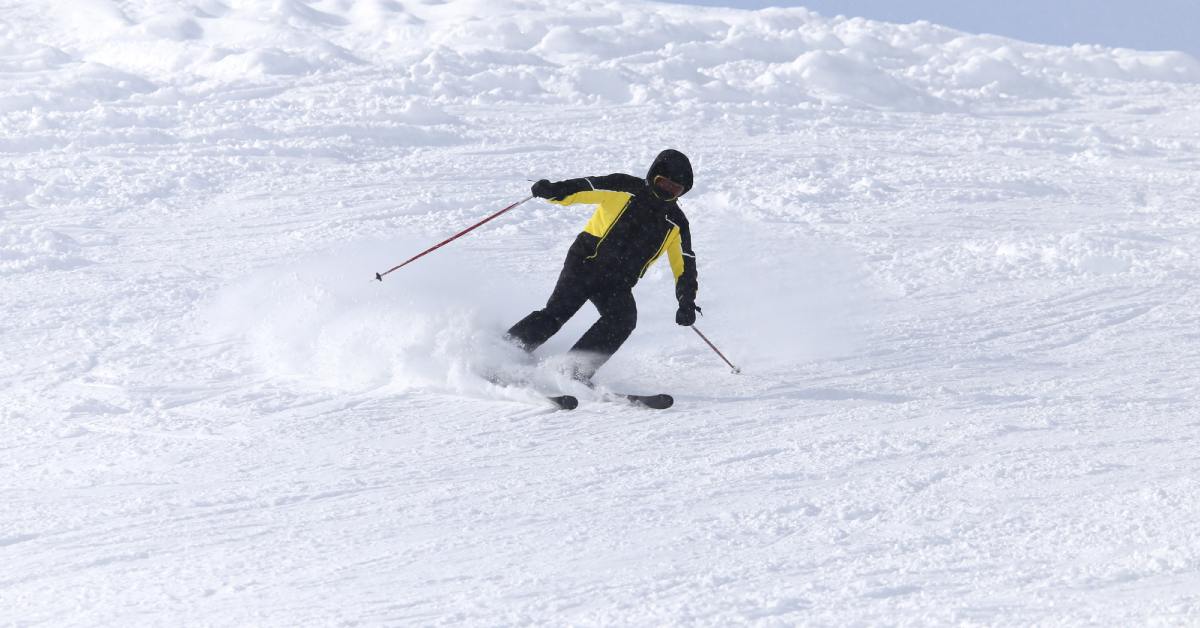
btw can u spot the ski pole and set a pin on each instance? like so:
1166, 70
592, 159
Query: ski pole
452, 238
736, 370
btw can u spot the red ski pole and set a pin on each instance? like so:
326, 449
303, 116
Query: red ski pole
452, 238
708, 342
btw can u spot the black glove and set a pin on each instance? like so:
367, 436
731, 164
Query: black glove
686, 314
544, 189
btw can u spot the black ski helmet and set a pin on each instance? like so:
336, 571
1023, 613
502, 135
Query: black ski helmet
672, 165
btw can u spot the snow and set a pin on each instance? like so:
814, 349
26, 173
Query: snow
958, 272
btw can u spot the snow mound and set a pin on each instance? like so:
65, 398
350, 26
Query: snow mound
580, 52
40, 76
30, 248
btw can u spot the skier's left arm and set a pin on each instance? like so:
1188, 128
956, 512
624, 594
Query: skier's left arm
683, 265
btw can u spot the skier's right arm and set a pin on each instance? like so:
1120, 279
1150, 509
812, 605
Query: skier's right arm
584, 190
556, 191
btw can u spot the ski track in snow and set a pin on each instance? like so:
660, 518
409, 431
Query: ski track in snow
959, 273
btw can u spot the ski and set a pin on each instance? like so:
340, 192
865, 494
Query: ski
571, 402
656, 402
564, 402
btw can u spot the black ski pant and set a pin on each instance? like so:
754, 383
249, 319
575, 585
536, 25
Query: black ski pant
580, 281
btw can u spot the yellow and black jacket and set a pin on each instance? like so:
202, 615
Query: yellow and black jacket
631, 228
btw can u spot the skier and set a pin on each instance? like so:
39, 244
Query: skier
636, 220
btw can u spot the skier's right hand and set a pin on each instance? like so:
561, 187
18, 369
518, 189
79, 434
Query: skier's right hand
544, 189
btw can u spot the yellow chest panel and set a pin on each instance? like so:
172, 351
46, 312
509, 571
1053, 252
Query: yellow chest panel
609, 207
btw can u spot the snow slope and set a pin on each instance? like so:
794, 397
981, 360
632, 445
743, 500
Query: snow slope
959, 273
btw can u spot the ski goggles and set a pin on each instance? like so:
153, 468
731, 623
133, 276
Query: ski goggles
671, 189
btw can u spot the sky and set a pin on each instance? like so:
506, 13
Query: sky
1140, 24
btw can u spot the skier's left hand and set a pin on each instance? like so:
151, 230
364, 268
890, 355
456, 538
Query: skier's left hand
686, 314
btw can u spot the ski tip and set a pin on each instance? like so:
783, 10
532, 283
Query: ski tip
566, 402
657, 402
